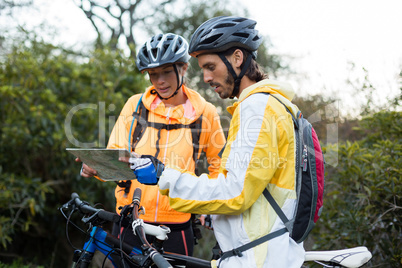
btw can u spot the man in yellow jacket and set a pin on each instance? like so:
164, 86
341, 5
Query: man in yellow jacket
259, 153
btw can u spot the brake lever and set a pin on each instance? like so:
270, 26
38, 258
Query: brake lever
90, 219
93, 220
141, 211
68, 204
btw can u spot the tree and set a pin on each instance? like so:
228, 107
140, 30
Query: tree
120, 18
8, 5
51, 99
184, 20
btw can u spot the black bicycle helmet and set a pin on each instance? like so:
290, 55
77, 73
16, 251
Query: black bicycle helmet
221, 33
162, 49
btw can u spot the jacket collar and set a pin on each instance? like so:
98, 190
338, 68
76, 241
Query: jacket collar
281, 90
177, 113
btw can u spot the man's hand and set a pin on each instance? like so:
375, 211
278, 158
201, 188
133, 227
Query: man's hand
86, 171
147, 169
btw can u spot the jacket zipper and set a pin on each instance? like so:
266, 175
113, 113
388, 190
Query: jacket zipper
164, 158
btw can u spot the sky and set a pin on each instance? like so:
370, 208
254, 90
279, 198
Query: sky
325, 37
328, 42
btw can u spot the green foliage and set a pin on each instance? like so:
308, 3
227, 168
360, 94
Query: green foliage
24, 199
363, 204
52, 99
19, 264
382, 126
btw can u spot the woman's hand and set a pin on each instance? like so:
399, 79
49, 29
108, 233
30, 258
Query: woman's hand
86, 171
206, 221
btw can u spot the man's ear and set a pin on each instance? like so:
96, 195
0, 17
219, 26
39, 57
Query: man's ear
237, 58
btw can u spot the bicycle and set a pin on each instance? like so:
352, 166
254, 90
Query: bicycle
122, 254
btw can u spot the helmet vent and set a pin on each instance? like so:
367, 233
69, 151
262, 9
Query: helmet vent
239, 19
145, 52
202, 33
224, 25
245, 35
211, 39
154, 52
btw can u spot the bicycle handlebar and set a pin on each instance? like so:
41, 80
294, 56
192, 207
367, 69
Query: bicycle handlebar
156, 257
159, 260
137, 196
102, 214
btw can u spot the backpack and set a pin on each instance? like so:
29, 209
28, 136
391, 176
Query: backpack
309, 187
309, 180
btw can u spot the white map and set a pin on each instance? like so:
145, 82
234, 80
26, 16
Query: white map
106, 162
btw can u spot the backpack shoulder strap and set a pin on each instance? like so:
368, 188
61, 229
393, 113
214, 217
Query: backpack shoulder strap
287, 109
132, 143
141, 115
196, 128
278, 210
238, 251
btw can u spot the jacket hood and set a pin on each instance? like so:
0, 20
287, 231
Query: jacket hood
196, 100
282, 90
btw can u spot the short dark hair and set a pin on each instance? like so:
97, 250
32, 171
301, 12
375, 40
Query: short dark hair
255, 72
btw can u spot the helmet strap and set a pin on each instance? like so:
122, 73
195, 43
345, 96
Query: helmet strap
237, 79
153, 91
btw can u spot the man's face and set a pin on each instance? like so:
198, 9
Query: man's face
216, 74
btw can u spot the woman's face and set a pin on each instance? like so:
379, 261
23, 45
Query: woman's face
164, 78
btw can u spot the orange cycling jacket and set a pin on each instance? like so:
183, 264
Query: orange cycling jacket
171, 146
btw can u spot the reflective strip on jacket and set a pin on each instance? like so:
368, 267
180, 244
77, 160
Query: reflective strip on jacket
259, 154
176, 148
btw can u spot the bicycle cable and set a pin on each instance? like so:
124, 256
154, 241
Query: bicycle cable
121, 242
68, 218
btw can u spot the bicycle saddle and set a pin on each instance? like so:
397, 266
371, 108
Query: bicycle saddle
352, 257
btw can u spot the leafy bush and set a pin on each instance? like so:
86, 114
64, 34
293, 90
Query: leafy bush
52, 99
363, 203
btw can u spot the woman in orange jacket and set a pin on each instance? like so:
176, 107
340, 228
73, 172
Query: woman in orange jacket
171, 122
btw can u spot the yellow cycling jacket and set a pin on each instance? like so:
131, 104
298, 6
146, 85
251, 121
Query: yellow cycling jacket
259, 154
175, 147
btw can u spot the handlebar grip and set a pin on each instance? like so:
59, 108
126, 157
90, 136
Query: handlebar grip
74, 196
108, 216
102, 214
137, 196
158, 259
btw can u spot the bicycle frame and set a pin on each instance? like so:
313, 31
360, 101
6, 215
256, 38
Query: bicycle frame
102, 241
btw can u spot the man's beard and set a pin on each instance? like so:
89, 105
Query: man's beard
229, 83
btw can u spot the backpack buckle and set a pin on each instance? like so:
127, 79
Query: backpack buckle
237, 252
